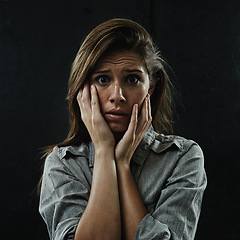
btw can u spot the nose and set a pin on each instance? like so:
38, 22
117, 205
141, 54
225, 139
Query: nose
117, 94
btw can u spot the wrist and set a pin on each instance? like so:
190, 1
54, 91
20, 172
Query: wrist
123, 165
104, 153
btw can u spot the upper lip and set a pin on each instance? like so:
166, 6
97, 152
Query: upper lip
117, 111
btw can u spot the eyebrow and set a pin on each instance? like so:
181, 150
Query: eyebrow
133, 70
127, 70
103, 71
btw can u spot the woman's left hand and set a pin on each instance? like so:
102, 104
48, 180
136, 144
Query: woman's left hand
135, 132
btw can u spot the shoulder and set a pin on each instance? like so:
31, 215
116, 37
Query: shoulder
162, 143
166, 148
168, 142
174, 145
64, 156
62, 152
182, 151
69, 162
184, 155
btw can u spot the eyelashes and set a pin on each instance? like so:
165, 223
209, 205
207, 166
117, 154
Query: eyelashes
131, 79
102, 79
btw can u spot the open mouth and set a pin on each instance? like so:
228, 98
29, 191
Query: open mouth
116, 115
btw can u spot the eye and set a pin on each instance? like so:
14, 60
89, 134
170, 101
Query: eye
133, 79
102, 79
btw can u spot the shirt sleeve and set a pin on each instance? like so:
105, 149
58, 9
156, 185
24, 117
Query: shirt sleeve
178, 208
63, 198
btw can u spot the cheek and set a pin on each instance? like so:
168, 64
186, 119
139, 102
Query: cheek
139, 97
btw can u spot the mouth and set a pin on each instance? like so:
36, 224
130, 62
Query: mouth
116, 114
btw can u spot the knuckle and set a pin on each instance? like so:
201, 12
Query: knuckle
95, 121
82, 100
94, 102
79, 95
134, 121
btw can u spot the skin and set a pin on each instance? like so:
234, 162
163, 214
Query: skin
121, 80
115, 107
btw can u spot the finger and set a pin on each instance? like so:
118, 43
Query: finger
83, 99
144, 116
79, 99
134, 117
149, 110
94, 100
79, 96
97, 117
131, 131
86, 95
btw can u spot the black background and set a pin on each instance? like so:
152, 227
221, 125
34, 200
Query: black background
38, 41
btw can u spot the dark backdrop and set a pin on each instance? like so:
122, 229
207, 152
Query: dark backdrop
38, 41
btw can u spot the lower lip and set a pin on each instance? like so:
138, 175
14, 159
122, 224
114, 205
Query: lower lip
116, 116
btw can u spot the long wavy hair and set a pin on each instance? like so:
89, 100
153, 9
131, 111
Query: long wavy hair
112, 35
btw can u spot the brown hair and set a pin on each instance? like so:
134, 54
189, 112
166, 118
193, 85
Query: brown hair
118, 34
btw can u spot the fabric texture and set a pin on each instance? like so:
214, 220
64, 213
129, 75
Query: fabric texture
168, 170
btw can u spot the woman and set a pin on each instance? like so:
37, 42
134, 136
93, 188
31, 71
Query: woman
115, 177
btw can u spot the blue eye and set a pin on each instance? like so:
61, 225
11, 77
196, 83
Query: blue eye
102, 79
133, 79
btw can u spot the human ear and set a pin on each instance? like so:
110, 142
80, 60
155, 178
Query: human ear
151, 90
154, 80
152, 86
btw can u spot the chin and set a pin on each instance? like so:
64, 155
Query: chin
117, 128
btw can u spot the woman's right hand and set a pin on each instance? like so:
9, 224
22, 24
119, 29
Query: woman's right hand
104, 197
91, 115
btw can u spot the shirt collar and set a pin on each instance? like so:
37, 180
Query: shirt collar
157, 143
81, 150
151, 140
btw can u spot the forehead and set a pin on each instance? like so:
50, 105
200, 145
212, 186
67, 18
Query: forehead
121, 59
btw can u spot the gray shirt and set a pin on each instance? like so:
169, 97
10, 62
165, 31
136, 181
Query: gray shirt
168, 170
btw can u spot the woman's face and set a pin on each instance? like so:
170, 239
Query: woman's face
122, 80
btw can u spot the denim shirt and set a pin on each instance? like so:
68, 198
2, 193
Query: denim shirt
169, 173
